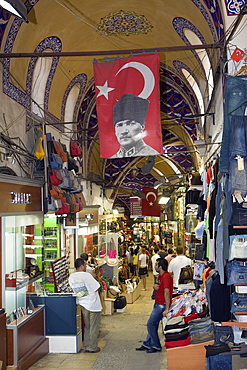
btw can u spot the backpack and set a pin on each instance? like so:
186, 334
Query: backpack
186, 275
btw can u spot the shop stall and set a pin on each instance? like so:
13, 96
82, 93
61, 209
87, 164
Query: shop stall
22, 259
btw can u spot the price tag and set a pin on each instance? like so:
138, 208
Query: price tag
240, 163
238, 196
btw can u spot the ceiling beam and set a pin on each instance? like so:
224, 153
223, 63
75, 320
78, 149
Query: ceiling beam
109, 52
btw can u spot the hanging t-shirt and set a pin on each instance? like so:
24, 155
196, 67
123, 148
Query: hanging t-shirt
86, 289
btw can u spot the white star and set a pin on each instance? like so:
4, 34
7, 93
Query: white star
103, 90
151, 203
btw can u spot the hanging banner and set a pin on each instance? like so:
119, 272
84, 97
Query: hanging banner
150, 205
128, 106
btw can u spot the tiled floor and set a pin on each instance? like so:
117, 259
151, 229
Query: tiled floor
119, 335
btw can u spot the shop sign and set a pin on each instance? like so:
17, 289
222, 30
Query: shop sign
135, 207
21, 198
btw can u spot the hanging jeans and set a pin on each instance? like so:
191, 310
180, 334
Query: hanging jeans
235, 103
236, 272
237, 176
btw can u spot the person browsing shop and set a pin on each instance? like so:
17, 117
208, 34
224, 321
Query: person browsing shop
163, 298
143, 266
86, 289
177, 263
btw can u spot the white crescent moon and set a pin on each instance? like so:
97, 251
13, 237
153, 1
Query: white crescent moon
148, 76
151, 193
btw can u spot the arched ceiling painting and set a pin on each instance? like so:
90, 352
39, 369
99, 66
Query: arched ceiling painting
75, 26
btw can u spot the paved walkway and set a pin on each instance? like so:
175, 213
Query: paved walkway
119, 335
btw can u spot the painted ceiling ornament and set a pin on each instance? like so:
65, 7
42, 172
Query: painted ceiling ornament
124, 23
234, 7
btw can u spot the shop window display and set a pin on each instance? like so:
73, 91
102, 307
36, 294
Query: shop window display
22, 262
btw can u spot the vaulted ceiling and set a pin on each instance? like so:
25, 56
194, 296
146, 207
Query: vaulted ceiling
89, 29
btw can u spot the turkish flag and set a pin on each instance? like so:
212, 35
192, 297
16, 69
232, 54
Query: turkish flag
150, 205
128, 89
238, 54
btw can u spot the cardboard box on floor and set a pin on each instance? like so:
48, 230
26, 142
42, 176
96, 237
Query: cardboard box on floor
132, 297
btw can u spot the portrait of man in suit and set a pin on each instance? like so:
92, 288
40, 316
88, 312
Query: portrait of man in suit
129, 115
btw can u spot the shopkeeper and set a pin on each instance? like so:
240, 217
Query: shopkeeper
86, 289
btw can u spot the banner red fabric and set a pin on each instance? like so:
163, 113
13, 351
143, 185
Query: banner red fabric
150, 205
238, 54
128, 89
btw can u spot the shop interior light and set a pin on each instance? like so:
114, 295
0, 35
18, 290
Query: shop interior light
164, 199
16, 8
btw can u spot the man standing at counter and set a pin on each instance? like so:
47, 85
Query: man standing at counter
86, 289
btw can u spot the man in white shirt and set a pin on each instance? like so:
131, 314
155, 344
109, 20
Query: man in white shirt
155, 273
177, 263
86, 289
153, 260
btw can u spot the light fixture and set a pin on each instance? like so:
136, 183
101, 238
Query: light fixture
16, 8
115, 211
159, 182
139, 194
147, 167
164, 199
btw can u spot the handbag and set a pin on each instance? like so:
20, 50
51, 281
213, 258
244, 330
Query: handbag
75, 149
55, 177
113, 292
54, 204
65, 208
78, 201
77, 186
186, 275
56, 162
65, 176
72, 165
56, 191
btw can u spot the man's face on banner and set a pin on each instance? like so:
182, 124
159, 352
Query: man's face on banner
128, 133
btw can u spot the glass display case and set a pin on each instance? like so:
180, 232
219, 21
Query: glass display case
23, 258
51, 249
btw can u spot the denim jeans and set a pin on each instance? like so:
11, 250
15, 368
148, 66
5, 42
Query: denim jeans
219, 265
236, 272
239, 302
238, 180
219, 362
235, 98
223, 334
152, 340
238, 247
